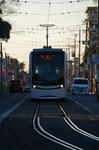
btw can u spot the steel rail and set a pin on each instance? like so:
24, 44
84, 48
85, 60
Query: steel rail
64, 143
74, 126
42, 132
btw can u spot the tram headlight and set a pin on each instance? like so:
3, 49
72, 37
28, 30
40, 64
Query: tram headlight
61, 86
34, 86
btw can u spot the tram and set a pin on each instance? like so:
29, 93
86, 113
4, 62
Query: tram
47, 70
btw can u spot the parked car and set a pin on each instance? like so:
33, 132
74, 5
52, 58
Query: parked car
26, 89
97, 90
15, 86
80, 86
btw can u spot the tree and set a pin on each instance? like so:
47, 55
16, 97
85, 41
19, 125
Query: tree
5, 28
6, 7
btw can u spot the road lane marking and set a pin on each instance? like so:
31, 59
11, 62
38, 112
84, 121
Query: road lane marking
81, 116
9, 111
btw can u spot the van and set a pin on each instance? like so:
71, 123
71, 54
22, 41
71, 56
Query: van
80, 86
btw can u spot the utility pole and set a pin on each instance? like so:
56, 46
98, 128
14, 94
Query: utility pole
79, 48
6, 75
97, 58
75, 55
69, 65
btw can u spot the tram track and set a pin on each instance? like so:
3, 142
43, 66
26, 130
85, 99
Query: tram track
42, 132
44, 110
37, 126
76, 128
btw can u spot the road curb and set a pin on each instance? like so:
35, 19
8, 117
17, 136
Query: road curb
79, 104
4, 115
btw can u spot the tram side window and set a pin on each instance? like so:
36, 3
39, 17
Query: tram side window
36, 70
35, 73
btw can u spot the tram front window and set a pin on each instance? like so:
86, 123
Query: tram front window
48, 69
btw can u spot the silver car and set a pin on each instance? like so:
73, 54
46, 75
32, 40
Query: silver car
80, 86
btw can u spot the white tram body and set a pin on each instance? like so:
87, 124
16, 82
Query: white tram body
47, 69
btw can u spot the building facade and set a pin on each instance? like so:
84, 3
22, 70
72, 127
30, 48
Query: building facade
90, 47
12, 69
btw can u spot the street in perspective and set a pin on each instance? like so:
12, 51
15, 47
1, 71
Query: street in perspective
49, 75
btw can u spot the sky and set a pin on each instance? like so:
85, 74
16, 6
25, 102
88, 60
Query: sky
26, 34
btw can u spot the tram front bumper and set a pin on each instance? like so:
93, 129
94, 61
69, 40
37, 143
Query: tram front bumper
48, 94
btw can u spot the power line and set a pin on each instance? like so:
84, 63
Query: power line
53, 3
36, 30
50, 14
26, 13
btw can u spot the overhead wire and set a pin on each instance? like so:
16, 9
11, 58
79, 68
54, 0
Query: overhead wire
50, 14
49, 11
49, 3
55, 3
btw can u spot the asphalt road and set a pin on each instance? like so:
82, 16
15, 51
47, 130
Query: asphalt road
51, 125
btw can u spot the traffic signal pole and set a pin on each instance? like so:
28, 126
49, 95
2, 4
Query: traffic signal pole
97, 58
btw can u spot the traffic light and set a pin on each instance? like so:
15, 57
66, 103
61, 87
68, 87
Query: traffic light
22, 65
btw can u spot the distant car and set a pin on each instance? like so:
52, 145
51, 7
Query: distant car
97, 91
80, 86
26, 89
15, 86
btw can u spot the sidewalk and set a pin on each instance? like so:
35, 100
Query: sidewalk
87, 102
8, 103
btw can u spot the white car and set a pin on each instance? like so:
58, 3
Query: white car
80, 86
